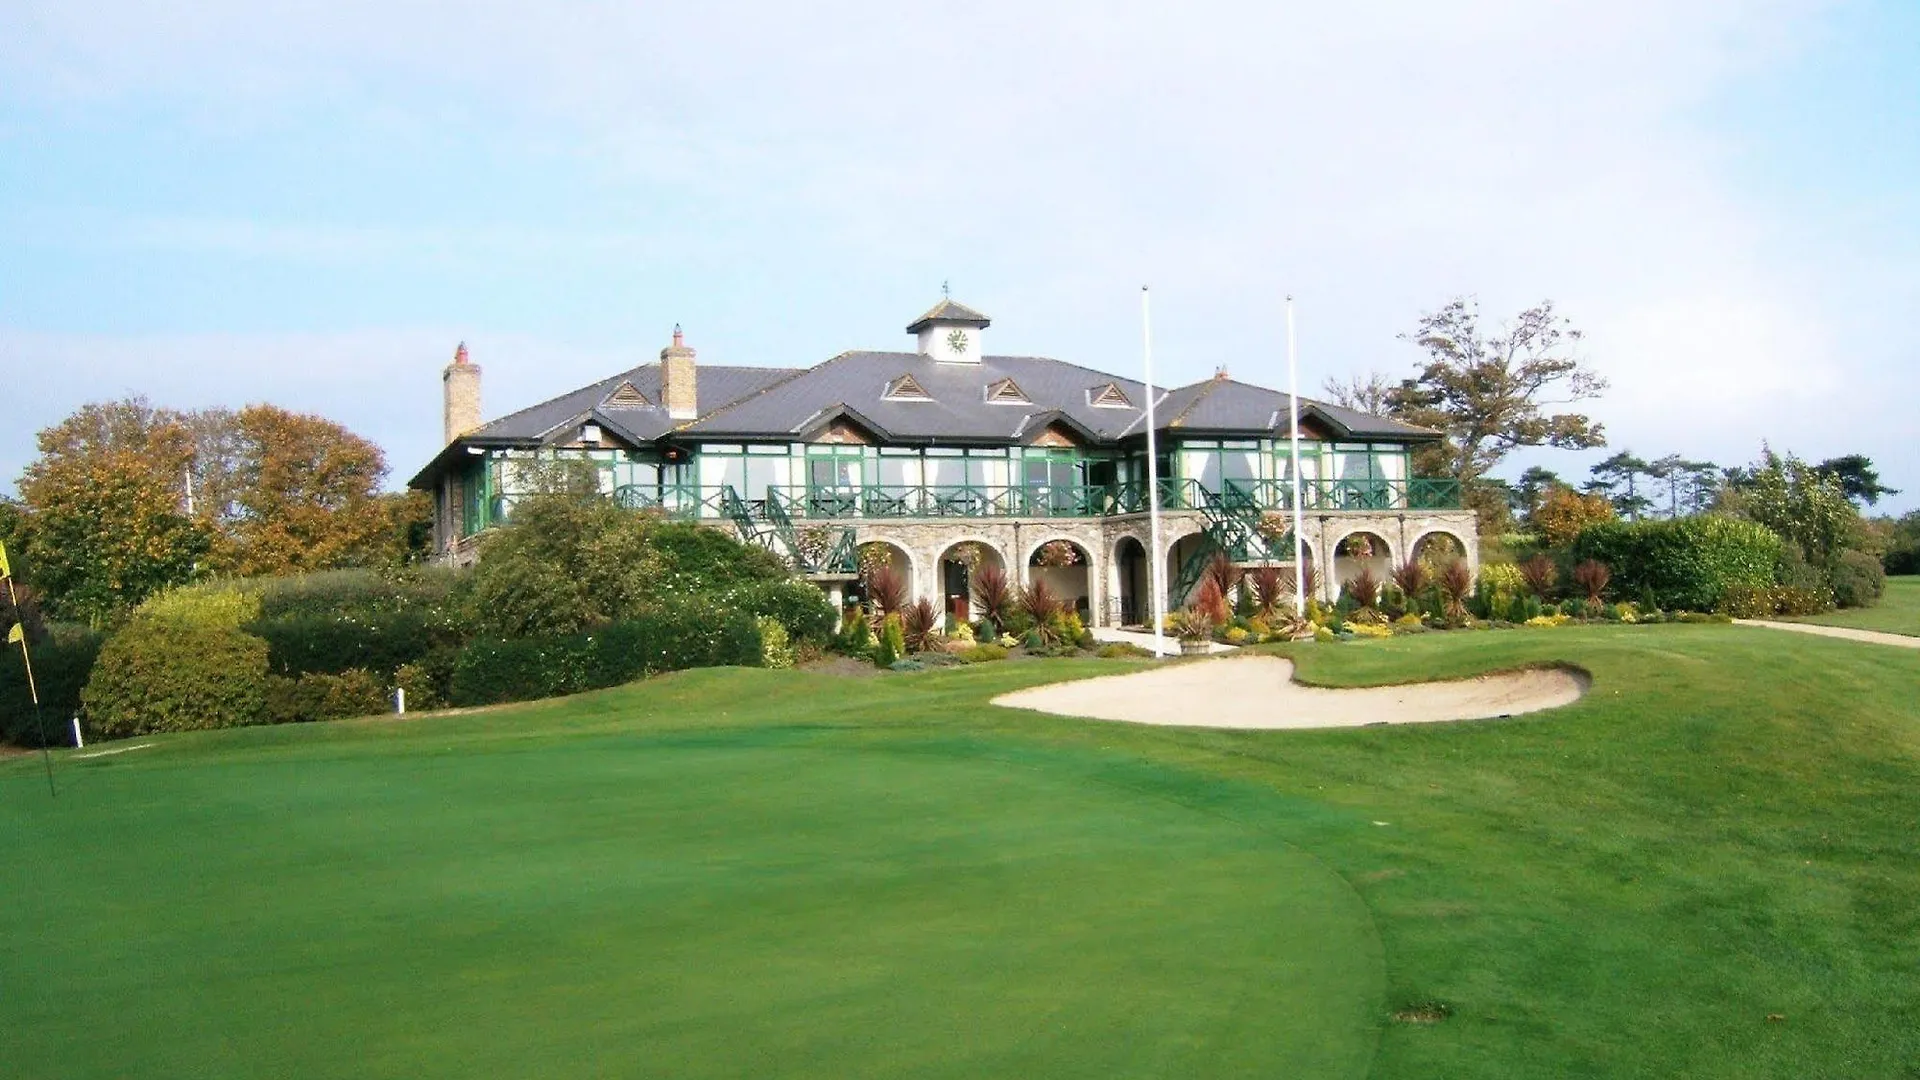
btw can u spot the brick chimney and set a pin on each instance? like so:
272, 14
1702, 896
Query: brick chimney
678, 379
460, 394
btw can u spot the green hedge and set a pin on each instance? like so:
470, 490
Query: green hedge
379, 641
668, 639
313, 697
158, 675
1684, 564
61, 663
798, 606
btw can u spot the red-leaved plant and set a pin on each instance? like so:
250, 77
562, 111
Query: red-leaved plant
1269, 586
1456, 584
887, 590
1363, 588
992, 595
918, 622
1540, 575
1208, 600
1592, 575
1411, 577
1225, 577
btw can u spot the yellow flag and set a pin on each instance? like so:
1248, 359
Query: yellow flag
5, 570
15, 634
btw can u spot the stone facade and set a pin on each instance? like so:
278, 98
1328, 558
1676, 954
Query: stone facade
460, 395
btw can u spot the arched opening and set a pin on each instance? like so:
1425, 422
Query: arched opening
1067, 570
1136, 599
881, 562
1358, 551
1439, 548
960, 564
1186, 560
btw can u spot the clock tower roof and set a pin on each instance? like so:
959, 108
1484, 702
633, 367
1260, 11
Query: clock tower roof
948, 313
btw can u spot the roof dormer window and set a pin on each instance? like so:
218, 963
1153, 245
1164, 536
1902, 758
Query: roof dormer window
1006, 392
906, 388
626, 396
1108, 396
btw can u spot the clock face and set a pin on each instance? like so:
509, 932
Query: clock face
957, 340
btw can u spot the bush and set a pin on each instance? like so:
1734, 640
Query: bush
800, 607
774, 650
1121, 650
313, 697
893, 641
330, 593
160, 675
1858, 579
981, 654
381, 642
201, 605
1686, 563
666, 639
427, 683
62, 660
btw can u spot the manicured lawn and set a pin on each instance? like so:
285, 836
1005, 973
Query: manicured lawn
770, 873
1898, 612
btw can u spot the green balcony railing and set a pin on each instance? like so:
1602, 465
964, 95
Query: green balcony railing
804, 503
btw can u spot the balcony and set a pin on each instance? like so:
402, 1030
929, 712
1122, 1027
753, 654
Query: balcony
882, 501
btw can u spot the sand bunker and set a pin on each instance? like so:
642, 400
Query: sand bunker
1259, 692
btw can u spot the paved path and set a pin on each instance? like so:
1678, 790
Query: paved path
1169, 644
1876, 637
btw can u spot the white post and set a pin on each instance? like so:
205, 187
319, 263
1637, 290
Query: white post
1299, 515
400, 701
79, 743
1155, 563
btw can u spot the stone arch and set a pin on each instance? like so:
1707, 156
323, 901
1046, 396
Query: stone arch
1076, 585
1380, 559
1129, 582
952, 584
903, 561
1176, 553
1427, 539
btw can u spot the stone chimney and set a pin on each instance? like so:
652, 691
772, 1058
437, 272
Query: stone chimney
678, 379
460, 394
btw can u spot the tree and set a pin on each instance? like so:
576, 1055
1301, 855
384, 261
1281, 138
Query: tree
1371, 393
1490, 393
303, 495
1805, 506
1616, 478
1858, 479
105, 500
1564, 512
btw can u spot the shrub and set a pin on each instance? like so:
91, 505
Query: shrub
893, 642
669, 638
856, 634
1121, 650
1592, 576
200, 605
1564, 514
993, 596
1040, 606
1363, 588
314, 696
428, 682
917, 625
1270, 586
161, 675
1210, 602
329, 593
887, 590
1540, 575
981, 654
1456, 584
1765, 601
774, 650
380, 642
1502, 579
1686, 563
1411, 578
1858, 579
800, 608
63, 657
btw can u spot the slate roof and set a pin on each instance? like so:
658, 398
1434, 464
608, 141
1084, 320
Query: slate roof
739, 403
947, 311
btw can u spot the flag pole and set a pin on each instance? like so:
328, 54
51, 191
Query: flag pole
1299, 515
19, 633
1157, 606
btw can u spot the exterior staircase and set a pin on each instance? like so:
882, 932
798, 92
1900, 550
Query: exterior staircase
831, 552
1231, 525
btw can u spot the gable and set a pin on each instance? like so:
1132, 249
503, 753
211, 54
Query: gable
1055, 435
906, 388
1108, 396
1006, 392
626, 396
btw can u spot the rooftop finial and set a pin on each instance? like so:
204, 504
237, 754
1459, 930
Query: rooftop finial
678, 342
460, 353
945, 291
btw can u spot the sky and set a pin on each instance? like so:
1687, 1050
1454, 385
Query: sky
310, 203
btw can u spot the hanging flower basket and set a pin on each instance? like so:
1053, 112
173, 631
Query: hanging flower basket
968, 553
873, 556
1357, 547
1057, 553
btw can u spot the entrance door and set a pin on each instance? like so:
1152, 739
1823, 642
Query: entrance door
958, 587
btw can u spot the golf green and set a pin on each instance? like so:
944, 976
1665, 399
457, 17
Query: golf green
747, 902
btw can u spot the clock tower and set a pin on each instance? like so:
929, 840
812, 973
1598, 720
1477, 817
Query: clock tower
951, 333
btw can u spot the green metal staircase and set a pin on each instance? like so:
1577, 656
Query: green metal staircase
773, 531
1231, 525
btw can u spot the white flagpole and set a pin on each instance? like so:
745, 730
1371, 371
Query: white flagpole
1158, 606
1299, 515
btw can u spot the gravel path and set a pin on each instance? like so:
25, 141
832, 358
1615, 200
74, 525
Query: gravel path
1259, 692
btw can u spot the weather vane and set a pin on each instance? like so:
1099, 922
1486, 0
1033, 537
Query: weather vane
945, 291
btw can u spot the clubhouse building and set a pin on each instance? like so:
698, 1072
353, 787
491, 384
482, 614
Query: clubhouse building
951, 458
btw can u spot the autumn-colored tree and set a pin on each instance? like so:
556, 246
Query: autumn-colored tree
105, 502
305, 495
1564, 512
